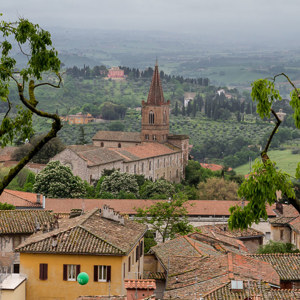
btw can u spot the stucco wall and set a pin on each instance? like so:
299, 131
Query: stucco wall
18, 294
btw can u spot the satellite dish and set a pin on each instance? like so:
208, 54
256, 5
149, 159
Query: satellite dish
83, 278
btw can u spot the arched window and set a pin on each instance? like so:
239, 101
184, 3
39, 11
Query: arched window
165, 117
151, 117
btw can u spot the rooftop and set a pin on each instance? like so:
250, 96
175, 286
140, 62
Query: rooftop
139, 284
118, 136
20, 199
11, 281
90, 233
23, 221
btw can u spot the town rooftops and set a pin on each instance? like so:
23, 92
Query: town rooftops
287, 265
210, 273
23, 221
139, 284
255, 290
118, 136
91, 233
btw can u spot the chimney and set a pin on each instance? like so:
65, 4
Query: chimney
44, 202
38, 198
110, 214
279, 207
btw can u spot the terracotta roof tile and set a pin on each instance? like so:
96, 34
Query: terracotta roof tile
127, 206
251, 290
139, 284
89, 233
287, 265
20, 199
295, 224
23, 221
117, 136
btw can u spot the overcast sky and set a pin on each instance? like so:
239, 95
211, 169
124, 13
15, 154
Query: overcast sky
253, 18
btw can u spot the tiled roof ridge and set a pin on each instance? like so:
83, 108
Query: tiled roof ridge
274, 254
116, 150
100, 238
214, 238
16, 195
193, 244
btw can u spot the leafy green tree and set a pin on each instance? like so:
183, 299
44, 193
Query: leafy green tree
6, 206
116, 126
49, 150
277, 247
30, 180
261, 186
218, 189
36, 45
159, 189
167, 217
194, 173
57, 181
118, 182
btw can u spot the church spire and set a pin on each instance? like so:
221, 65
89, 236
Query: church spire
156, 95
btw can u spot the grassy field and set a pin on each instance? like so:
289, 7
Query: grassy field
286, 161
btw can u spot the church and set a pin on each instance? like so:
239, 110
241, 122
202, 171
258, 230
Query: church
153, 152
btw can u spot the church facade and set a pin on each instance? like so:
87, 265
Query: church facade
153, 152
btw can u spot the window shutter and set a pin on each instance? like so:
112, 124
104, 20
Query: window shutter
141, 249
108, 273
65, 272
77, 270
137, 253
45, 271
95, 273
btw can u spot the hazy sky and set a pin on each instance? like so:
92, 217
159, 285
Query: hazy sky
228, 17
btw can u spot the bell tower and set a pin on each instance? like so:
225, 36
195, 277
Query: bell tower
155, 113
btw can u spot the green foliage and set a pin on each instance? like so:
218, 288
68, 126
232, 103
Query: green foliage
120, 182
167, 217
159, 189
57, 181
149, 241
259, 189
30, 180
277, 247
194, 173
6, 206
116, 126
48, 151
264, 92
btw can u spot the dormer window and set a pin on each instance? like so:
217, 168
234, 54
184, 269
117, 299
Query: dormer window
151, 117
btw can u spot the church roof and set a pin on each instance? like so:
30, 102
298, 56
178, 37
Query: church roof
156, 95
119, 136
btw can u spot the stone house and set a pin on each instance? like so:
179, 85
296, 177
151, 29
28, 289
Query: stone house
15, 227
153, 152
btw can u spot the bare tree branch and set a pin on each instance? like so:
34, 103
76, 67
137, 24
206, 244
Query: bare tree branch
9, 107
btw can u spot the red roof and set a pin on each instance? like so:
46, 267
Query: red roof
213, 167
19, 199
145, 284
127, 206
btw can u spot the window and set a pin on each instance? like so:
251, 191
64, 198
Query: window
43, 271
124, 270
70, 272
137, 255
142, 167
177, 173
154, 137
158, 163
151, 117
268, 235
102, 144
165, 117
281, 234
149, 165
141, 248
102, 273
17, 268
132, 257
134, 169
129, 263
119, 145
146, 136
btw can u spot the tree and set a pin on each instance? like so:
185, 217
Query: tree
6, 206
48, 151
57, 181
159, 189
36, 45
261, 186
218, 189
166, 217
277, 247
118, 182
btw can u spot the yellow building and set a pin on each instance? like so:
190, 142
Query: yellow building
100, 243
